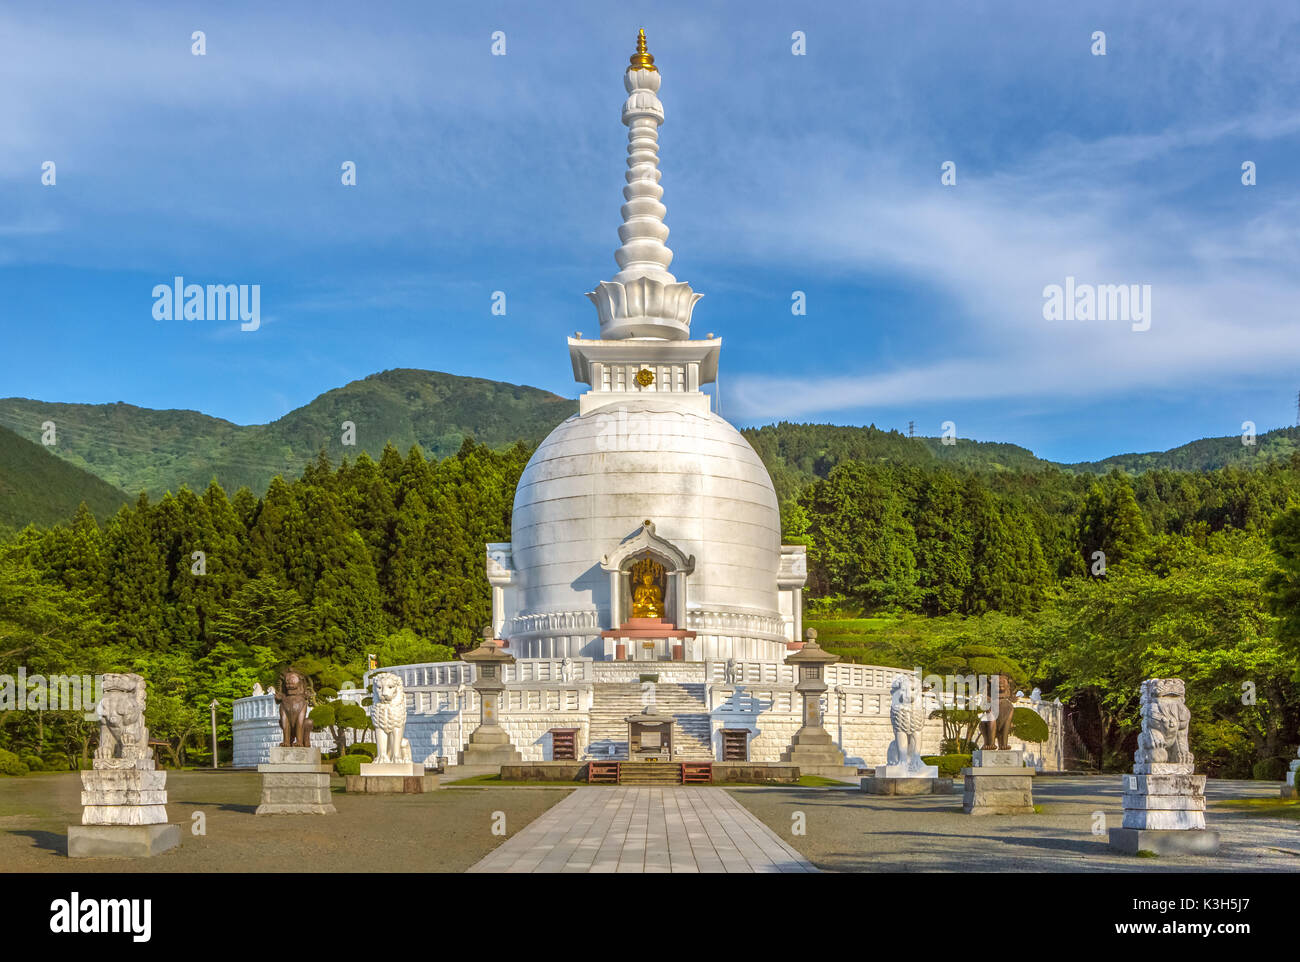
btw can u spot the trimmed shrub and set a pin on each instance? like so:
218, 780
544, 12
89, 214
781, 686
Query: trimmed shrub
33, 763
364, 756
364, 748
348, 765
950, 766
1270, 770
11, 764
1028, 725
57, 762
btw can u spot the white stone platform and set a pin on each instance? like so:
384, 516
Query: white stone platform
646, 830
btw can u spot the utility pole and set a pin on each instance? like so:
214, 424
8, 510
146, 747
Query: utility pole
213, 708
911, 429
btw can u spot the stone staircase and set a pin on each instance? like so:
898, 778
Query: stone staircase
613, 702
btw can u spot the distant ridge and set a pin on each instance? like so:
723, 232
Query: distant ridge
142, 449
1206, 454
36, 487
132, 449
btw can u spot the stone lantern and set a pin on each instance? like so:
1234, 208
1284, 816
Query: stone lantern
489, 744
812, 747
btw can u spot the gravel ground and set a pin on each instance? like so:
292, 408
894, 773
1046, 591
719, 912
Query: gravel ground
442, 831
848, 831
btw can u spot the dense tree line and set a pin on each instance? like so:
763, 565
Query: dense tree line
206, 594
1092, 583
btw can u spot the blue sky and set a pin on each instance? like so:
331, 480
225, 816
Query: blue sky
818, 173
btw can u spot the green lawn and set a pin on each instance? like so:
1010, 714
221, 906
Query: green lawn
1281, 807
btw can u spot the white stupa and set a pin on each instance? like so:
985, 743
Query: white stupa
646, 480
646, 578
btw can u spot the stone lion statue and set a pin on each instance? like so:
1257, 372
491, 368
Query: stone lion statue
294, 699
995, 726
1165, 721
388, 713
907, 717
122, 733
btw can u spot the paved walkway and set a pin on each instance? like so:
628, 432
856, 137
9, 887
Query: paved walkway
629, 829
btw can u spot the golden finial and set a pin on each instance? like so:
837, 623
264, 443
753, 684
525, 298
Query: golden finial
641, 60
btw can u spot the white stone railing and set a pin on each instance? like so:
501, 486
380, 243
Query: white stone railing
732, 622
458, 674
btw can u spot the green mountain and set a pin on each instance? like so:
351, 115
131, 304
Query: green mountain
135, 449
138, 449
37, 487
798, 453
1206, 454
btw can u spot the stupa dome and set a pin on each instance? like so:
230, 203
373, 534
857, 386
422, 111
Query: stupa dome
597, 478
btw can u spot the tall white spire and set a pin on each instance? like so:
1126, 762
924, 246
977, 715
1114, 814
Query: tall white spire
643, 299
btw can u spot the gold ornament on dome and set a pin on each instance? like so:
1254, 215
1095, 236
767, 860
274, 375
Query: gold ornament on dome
642, 59
647, 589
645, 377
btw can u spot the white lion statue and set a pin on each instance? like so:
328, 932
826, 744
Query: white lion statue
388, 713
907, 716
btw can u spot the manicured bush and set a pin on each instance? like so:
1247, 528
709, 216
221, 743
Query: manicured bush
950, 766
1270, 770
364, 748
11, 764
348, 765
57, 762
33, 763
1028, 725
364, 756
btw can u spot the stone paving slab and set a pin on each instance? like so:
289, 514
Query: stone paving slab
646, 829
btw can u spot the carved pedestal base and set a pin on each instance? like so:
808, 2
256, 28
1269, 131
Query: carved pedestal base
489, 745
124, 813
816, 753
1002, 785
889, 785
1162, 802
904, 771
295, 783
121, 841
391, 784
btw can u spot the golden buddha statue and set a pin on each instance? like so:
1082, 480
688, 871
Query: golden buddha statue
647, 597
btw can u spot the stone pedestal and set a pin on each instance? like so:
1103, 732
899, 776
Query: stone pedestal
903, 785
904, 779
295, 782
906, 771
998, 783
1288, 787
489, 745
124, 813
391, 784
391, 778
816, 753
124, 796
1164, 812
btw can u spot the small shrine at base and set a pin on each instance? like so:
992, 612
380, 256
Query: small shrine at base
650, 736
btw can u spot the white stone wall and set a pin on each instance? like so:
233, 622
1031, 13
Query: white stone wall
444, 709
